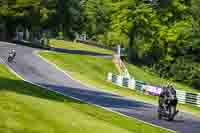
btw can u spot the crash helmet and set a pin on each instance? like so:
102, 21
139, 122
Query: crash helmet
168, 85
164, 88
173, 87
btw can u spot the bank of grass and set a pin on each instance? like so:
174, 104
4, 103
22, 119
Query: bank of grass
137, 72
77, 46
154, 79
25, 108
93, 71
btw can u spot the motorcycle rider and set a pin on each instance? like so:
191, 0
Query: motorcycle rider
173, 96
163, 98
168, 93
167, 99
12, 53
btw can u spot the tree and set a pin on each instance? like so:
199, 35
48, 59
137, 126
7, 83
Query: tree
135, 19
68, 15
97, 17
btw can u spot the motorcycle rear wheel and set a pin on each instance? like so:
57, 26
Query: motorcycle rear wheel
10, 59
159, 116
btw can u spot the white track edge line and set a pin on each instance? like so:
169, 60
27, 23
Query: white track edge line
1, 60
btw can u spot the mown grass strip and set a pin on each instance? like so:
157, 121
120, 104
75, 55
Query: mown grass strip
77, 46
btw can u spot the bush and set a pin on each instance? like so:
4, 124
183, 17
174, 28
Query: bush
182, 70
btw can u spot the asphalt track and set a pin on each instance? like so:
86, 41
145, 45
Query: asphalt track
36, 70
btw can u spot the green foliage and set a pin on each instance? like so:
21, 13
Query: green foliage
96, 15
62, 15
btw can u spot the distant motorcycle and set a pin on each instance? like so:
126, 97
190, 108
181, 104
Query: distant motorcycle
11, 56
167, 107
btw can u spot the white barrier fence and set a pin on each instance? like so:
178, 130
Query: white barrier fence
183, 97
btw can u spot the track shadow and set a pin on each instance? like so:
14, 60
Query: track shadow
100, 98
178, 121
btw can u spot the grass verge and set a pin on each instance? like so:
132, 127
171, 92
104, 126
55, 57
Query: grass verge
25, 108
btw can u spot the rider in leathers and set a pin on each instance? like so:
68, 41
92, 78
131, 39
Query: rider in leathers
164, 96
12, 53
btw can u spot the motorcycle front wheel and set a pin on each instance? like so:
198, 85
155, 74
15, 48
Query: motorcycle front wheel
172, 111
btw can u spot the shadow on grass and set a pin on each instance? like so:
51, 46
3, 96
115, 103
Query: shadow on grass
30, 44
24, 88
81, 52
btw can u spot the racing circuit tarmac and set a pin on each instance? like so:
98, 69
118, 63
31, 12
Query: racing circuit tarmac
36, 70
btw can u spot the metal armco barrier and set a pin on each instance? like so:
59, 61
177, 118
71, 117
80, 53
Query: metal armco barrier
183, 97
139, 85
126, 82
188, 98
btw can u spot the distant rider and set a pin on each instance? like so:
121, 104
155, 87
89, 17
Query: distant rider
12, 53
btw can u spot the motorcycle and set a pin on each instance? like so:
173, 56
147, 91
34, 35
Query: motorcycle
11, 57
167, 107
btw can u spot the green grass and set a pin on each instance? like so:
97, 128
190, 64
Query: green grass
95, 71
77, 46
25, 108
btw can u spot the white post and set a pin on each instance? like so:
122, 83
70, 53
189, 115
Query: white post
84, 36
181, 95
109, 78
131, 84
118, 50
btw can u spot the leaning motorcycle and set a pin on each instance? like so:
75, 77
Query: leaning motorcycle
168, 109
